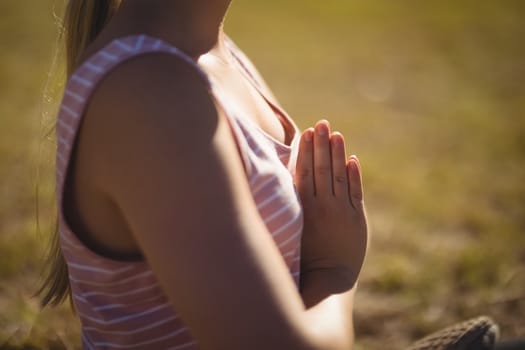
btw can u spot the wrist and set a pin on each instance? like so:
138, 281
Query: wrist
328, 295
321, 282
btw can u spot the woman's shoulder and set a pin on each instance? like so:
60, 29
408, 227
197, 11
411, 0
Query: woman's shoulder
155, 102
147, 95
158, 80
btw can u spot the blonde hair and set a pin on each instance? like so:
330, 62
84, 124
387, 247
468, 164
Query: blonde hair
83, 21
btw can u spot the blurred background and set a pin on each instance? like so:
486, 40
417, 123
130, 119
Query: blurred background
430, 95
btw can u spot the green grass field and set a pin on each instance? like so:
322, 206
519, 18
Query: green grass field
430, 96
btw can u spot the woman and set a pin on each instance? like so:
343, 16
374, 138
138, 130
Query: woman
178, 183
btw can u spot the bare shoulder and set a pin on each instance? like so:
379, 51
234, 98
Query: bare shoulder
153, 89
148, 100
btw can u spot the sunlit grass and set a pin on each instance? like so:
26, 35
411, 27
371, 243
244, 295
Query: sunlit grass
431, 97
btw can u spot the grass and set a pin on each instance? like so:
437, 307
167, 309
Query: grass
431, 97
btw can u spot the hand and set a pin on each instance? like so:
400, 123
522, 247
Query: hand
335, 228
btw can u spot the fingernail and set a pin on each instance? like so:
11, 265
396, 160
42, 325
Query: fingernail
322, 129
338, 135
336, 139
355, 164
308, 136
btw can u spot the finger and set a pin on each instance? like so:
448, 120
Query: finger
355, 182
322, 159
339, 173
304, 173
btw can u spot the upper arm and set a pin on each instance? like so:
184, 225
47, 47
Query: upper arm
172, 167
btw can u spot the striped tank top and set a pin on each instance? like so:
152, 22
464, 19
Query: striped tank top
120, 303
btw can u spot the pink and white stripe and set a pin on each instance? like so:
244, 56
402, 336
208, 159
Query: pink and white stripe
120, 304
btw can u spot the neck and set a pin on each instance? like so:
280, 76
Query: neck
193, 26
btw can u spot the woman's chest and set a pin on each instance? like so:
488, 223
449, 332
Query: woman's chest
249, 101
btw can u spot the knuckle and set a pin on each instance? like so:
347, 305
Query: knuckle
358, 202
340, 179
304, 173
357, 198
322, 170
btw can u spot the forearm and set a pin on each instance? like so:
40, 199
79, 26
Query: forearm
329, 297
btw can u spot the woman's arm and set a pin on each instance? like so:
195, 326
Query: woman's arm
169, 162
